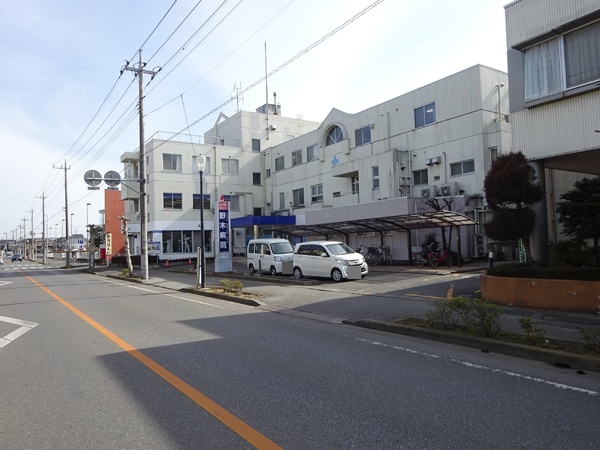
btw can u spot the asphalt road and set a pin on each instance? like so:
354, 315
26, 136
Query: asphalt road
93, 362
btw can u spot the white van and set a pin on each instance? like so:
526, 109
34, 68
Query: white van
269, 255
328, 259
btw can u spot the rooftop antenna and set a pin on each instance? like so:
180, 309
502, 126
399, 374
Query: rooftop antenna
266, 91
237, 89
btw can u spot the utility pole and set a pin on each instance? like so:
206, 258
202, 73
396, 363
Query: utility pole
139, 72
24, 252
68, 250
44, 243
32, 238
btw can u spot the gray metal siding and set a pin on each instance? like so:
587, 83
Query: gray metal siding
527, 19
558, 128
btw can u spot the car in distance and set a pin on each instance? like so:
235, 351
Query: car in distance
16, 257
328, 259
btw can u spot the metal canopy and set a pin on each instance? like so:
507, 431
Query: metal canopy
404, 222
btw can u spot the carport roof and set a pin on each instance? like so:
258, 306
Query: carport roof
404, 222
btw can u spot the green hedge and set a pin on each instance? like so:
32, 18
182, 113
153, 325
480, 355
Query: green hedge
519, 270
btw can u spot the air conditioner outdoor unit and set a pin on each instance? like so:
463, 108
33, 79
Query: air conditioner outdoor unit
449, 189
426, 192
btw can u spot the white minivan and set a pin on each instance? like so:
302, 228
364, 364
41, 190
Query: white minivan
269, 255
328, 259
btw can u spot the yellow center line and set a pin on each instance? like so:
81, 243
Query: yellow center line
235, 424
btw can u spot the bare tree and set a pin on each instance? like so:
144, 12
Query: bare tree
443, 204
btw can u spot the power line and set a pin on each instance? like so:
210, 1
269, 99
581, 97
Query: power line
272, 72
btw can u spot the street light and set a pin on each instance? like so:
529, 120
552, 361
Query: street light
87, 219
201, 161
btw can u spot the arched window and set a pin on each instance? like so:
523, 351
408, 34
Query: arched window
334, 136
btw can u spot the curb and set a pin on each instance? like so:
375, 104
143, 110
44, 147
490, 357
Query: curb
266, 278
231, 298
554, 357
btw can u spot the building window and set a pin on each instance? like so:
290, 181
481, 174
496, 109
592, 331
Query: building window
316, 193
296, 157
196, 201
282, 200
425, 115
569, 60
298, 197
268, 173
375, 171
256, 178
256, 145
362, 136
420, 177
542, 69
234, 202
172, 201
462, 167
582, 55
312, 153
206, 166
354, 181
230, 166
334, 135
171, 162
279, 164
493, 154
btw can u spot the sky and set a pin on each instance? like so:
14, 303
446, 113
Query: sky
65, 103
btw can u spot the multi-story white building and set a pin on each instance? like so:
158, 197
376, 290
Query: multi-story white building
554, 75
233, 171
436, 141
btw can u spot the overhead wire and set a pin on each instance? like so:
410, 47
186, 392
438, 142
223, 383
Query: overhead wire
280, 67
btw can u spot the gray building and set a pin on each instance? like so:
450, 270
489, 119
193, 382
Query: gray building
554, 77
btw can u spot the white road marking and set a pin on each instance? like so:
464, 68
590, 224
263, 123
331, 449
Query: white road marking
168, 295
25, 326
143, 289
480, 367
194, 301
4, 283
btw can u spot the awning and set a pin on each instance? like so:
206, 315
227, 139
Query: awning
403, 222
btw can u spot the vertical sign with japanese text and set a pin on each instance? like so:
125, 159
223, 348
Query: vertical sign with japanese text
223, 223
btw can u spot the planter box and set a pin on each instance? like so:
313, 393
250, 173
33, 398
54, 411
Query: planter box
560, 295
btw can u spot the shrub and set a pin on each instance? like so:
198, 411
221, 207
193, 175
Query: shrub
483, 318
591, 337
519, 270
231, 286
534, 332
571, 253
479, 316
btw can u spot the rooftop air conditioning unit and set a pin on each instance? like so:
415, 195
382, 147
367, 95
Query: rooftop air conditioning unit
449, 189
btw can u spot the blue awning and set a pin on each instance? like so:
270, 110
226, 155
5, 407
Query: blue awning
249, 221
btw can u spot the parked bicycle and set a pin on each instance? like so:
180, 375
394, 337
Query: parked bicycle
436, 256
378, 255
419, 260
